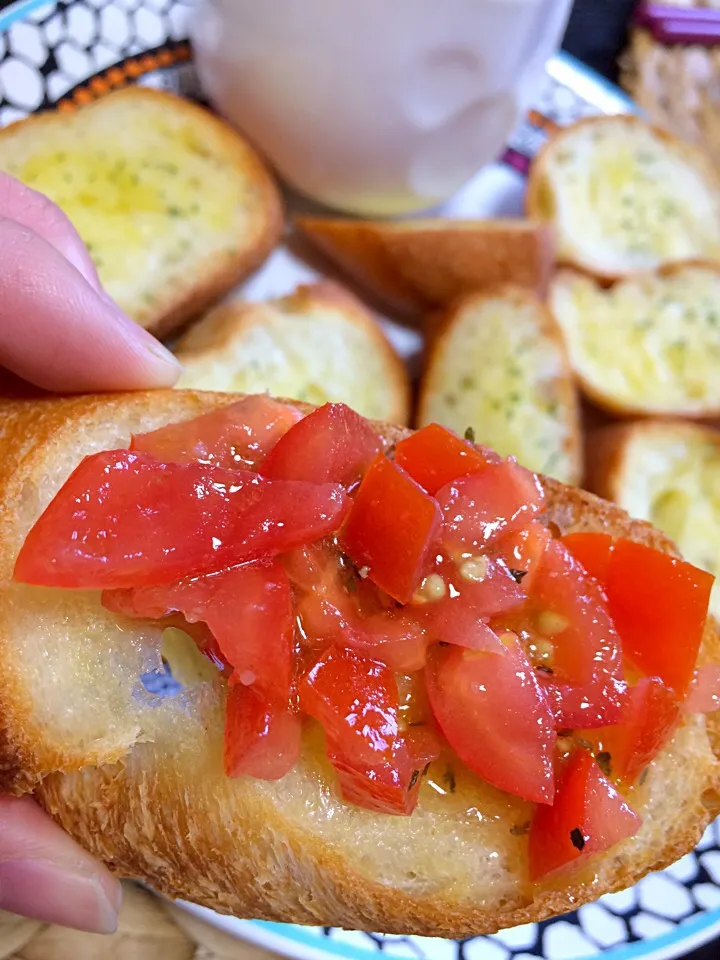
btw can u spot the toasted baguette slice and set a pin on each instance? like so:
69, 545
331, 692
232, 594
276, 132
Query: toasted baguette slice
624, 196
318, 344
650, 344
417, 265
666, 472
140, 783
174, 206
498, 364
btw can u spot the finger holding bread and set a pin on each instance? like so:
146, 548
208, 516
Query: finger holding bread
497, 364
174, 206
317, 344
649, 345
623, 196
419, 265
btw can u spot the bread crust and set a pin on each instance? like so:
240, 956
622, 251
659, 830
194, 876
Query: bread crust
216, 274
441, 328
536, 201
154, 816
418, 265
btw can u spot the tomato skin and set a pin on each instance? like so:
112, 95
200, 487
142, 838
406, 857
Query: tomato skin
704, 695
262, 735
521, 552
123, 519
650, 716
659, 604
592, 551
586, 806
333, 444
490, 708
237, 437
434, 456
484, 506
587, 706
391, 529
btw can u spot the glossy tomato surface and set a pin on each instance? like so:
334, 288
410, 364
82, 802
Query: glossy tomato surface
391, 529
494, 715
484, 506
434, 457
262, 735
236, 437
588, 816
124, 519
333, 444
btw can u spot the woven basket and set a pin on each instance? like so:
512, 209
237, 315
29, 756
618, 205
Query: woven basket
149, 929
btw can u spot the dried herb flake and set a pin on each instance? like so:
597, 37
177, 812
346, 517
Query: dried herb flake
577, 839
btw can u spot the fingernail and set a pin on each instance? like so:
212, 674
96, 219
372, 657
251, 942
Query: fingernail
46, 891
170, 368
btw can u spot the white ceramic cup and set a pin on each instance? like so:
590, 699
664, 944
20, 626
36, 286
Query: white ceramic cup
376, 107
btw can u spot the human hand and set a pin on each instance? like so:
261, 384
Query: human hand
60, 331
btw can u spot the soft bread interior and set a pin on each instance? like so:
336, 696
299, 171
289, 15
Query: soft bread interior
650, 343
499, 366
316, 345
288, 850
624, 198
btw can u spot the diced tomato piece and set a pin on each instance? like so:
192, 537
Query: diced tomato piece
704, 695
391, 529
592, 551
484, 506
571, 610
262, 735
237, 437
123, 519
649, 718
434, 457
495, 717
659, 604
588, 816
587, 705
356, 701
522, 551
333, 444
248, 609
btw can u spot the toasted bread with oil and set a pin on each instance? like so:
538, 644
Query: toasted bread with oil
418, 265
174, 206
139, 781
649, 345
497, 363
623, 196
318, 344
666, 472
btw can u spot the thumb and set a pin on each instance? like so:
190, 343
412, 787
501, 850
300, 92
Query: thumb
46, 876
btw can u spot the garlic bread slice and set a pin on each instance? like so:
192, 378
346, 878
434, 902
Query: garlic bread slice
650, 344
174, 206
624, 196
498, 365
318, 344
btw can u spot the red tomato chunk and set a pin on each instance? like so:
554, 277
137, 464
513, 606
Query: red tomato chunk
262, 736
391, 529
331, 445
124, 519
588, 817
237, 437
434, 457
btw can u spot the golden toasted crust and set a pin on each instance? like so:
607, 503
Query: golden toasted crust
169, 297
539, 201
418, 265
166, 814
533, 352
339, 352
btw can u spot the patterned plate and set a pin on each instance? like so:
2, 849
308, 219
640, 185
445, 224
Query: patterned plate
66, 53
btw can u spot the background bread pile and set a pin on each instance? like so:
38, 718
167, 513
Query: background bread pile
540, 334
